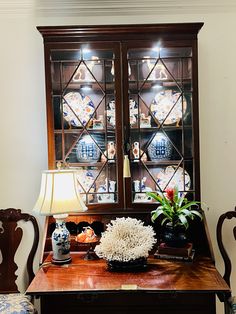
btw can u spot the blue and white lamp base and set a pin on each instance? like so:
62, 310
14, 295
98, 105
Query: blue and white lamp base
61, 241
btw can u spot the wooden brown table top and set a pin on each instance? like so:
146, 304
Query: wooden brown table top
93, 276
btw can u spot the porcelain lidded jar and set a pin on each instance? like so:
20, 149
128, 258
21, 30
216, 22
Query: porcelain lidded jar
160, 147
87, 150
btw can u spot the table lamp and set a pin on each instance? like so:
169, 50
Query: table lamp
59, 196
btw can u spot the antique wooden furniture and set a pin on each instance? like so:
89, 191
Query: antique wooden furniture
11, 235
230, 302
165, 287
119, 90
115, 90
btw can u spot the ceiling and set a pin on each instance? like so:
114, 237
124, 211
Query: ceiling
114, 7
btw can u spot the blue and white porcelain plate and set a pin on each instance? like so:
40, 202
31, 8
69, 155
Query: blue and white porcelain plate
168, 106
77, 109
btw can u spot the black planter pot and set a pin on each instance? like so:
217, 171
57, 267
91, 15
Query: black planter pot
174, 236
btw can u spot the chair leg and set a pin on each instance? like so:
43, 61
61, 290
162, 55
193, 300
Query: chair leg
227, 308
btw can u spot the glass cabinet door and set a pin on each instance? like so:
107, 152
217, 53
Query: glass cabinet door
84, 101
160, 81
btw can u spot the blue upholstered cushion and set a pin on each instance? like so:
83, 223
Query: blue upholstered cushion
15, 303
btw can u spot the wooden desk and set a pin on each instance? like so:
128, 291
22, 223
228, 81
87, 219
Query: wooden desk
165, 287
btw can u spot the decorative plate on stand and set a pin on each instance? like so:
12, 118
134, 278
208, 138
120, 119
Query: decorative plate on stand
77, 109
173, 176
169, 106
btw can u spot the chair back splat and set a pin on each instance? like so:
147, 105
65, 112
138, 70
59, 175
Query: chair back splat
10, 238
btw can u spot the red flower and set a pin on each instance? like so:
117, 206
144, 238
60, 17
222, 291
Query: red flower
170, 194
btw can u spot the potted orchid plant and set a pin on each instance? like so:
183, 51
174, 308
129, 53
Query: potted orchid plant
175, 211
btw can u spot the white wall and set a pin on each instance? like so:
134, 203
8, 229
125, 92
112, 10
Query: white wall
23, 144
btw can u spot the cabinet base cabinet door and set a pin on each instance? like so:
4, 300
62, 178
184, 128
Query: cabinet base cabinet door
133, 303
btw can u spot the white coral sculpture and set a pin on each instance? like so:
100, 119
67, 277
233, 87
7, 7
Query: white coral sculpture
126, 239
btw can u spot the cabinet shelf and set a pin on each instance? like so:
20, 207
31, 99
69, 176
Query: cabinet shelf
160, 162
86, 85
135, 130
90, 164
162, 82
79, 131
163, 127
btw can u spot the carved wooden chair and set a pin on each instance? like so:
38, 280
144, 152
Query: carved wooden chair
230, 302
11, 235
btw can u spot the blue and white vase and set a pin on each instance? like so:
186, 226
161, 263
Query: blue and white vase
61, 242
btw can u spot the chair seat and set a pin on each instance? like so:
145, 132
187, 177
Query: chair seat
15, 303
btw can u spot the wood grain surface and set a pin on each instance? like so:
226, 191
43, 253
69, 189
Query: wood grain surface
161, 275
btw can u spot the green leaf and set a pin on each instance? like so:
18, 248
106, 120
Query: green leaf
156, 213
169, 215
152, 195
155, 196
190, 204
166, 203
176, 194
195, 212
164, 220
184, 221
187, 212
180, 201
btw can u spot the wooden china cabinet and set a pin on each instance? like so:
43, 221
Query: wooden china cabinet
127, 90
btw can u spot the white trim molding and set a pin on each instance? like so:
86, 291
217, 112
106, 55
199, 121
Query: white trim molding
54, 8
16, 7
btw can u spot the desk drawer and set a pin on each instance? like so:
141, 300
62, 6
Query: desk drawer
129, 303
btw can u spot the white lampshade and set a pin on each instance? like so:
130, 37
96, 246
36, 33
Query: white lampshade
59, 193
